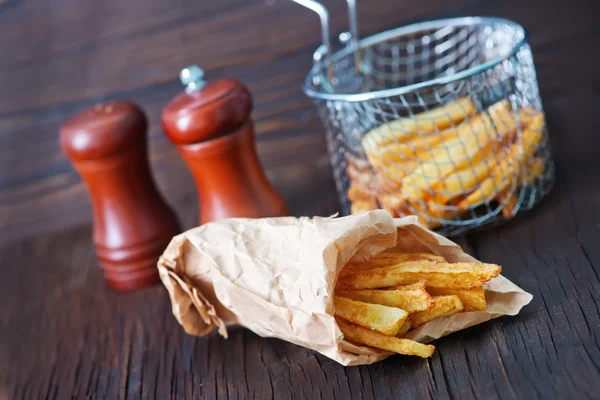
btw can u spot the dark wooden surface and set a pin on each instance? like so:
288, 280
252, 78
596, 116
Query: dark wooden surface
59, 57
63, 333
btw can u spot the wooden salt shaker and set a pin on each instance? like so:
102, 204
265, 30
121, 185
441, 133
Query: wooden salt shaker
132, 224
210, 125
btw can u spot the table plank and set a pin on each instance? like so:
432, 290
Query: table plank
61, 56
65, 334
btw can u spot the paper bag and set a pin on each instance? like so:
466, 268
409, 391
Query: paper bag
276, 277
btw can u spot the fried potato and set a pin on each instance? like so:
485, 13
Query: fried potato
394, 256
357, 168
463, 181
416, 285
506, 172
370, 338
363, 205
434, 120
357, 192
509, 201
443, 306
386, 320
394, 203
396, 172
417, 149
472, 299
437, 274
404, 328
476, 139
410, 300
534, 170
387, 258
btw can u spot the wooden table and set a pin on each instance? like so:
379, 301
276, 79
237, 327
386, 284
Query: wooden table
63, 333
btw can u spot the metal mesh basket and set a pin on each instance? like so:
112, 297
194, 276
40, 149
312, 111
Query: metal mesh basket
440, 119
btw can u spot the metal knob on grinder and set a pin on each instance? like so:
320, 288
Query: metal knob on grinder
210, 125
107, 144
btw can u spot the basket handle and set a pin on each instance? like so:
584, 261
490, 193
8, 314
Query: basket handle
325, 48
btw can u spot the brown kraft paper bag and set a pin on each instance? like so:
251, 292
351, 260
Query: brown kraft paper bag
276, 277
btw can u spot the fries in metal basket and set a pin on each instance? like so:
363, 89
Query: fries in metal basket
506, 172
476, 139
434, 120
444, 163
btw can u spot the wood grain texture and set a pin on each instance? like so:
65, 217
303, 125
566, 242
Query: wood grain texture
65, 334
60, 57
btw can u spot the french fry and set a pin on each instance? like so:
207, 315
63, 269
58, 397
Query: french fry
357, 192
472, 299
386, 320
357, 168
404, 328
370, 338
509, 201
434, 120
443, 306
396, 172
396, 256
391, 257
475, 140
394, 203
507, 171
463, 181
418, 149
363, 205
410, 300
535, 170
437, 274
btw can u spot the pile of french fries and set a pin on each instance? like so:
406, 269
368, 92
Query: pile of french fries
444, 162
377, 302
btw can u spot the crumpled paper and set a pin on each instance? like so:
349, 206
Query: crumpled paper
276, 277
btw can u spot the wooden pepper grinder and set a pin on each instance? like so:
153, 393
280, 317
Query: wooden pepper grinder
132, 224
210, 125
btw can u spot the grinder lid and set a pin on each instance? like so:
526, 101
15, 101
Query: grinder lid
205, 110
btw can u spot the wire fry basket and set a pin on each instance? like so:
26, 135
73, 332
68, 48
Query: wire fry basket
441, 119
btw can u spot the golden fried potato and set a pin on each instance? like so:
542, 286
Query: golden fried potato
437, 274
410, 300
476, 139
506, 172
472, 299
394, 203
463, 181
534, 170
387, 258
435, 120
404, 328
509, 200
363, 205
443, 306
370, 338
394, 256
412, 151
394, 174
386, 320
358, 192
